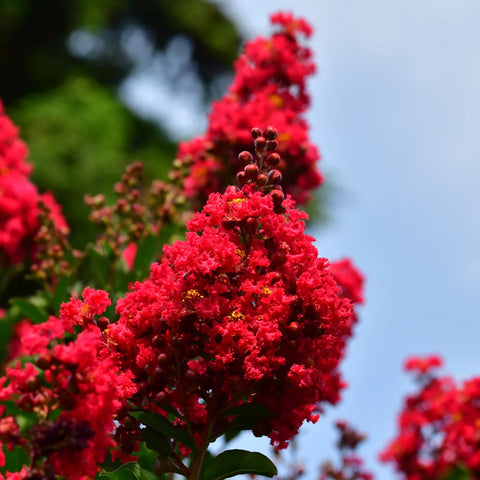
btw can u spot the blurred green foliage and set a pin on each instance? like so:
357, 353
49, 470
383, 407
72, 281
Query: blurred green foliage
63, 93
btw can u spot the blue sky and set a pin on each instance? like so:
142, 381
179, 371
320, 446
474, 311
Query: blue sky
396, 113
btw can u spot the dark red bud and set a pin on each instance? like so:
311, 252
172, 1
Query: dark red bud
260, 144
262, 180
103, 323
158, 341
277, 197
229, 224
270, 133
251, 171
192, 376
294, 329
274, 177
241, 178
256, 132
245, 157
163, 359
161, 398
273, 159
272, 145
44, 361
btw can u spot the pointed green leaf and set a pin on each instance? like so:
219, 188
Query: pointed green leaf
161, 424
30, 310
157, 441
238, 462
129, 471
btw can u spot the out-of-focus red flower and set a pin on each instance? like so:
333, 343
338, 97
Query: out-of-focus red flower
438, 427
19, 198
268, 89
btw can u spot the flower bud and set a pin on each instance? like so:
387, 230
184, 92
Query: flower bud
274, 177
272, 145
256, 132
251, 171
270, 133
241, 179
245, 157
277, 197
273, 159
260, 144
262, 180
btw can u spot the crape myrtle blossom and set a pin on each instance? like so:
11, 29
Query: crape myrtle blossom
268, 88
439, 427
72, 386
19, 198
242, 311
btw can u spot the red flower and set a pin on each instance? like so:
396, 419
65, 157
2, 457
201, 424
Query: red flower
19, 198
77, 378
438, 427
268, 88
242, 310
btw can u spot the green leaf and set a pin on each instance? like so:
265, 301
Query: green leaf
61, 293
161, 424
238, 462
100, 264
129, 471
14, 459
157, 441
458, 472
257, 410
145, 256
30, 310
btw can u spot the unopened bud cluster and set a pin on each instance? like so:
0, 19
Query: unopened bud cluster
262, 170
51, 241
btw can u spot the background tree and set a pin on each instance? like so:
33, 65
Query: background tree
63, 64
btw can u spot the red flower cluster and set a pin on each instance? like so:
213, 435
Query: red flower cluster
268, 88
241, 311
439, 428
73, 388
19, 197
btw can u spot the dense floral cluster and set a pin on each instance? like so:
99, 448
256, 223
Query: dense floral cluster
19, 198
242, 311
439, 430
268, 88
68, 394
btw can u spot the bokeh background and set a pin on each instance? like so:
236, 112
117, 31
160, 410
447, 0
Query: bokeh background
396, 113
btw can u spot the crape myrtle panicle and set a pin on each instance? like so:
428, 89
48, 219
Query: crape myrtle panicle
438, 428
72, 386
19, 198
242, 311
268, 88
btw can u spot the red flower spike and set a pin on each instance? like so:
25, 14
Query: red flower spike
269, 87
236, 308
